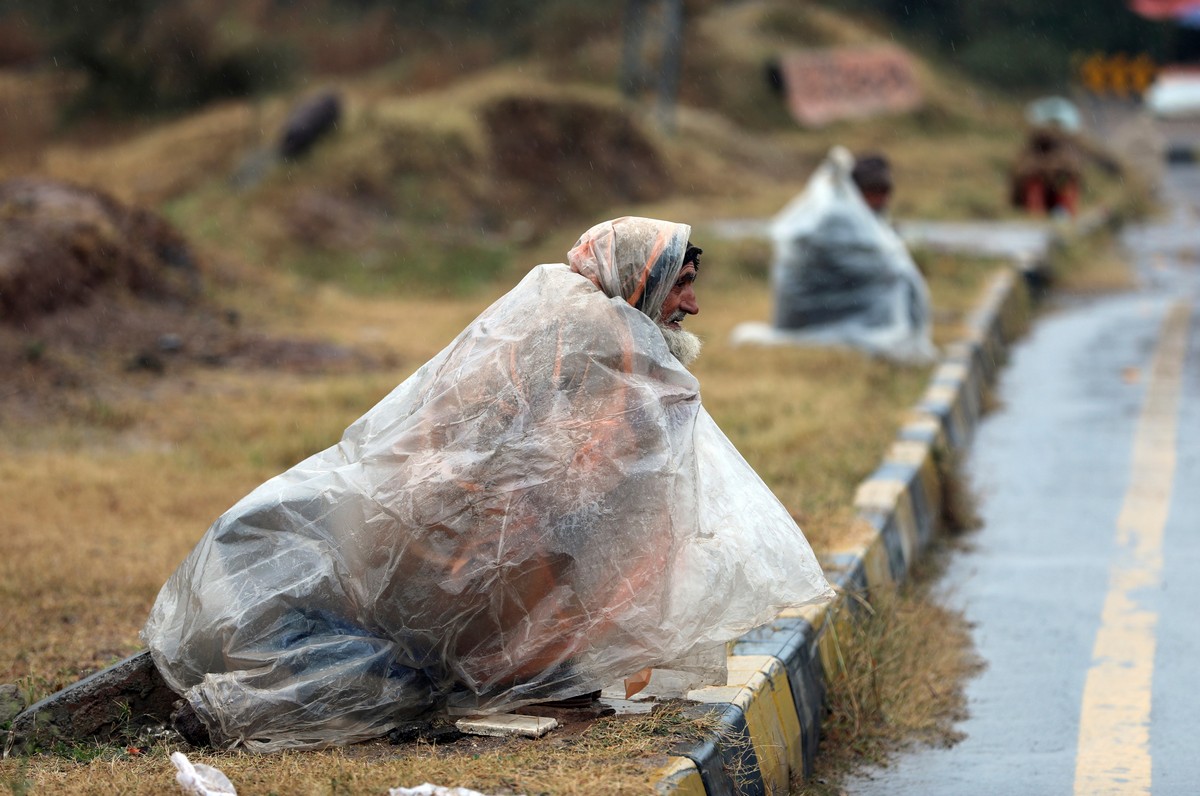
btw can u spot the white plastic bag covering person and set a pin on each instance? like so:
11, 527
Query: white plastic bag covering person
842, 276
541, 509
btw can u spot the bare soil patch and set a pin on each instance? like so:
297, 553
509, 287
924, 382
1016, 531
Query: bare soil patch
96, 295
565, 158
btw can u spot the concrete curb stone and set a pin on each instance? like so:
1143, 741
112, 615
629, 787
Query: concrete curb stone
126, 696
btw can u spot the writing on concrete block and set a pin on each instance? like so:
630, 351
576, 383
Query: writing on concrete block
830, 84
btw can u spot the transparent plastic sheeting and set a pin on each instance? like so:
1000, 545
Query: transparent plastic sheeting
540, 510
842, 276
198, 779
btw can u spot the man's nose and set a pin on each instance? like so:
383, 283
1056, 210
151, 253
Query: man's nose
687, 301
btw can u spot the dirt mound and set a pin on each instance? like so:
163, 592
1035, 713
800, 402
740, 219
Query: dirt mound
567, 158
61, 245
94, 293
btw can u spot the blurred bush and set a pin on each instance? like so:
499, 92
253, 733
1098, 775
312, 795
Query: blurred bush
20, 44
148, 56
1026, 44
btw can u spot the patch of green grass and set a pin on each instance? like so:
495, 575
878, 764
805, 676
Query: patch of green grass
34, 687
106, 415
442, 269
86, 752
797, 24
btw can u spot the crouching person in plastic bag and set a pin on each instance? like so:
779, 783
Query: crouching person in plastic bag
540, 510
841, 276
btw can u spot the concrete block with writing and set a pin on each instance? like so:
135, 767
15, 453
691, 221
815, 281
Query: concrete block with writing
831, 84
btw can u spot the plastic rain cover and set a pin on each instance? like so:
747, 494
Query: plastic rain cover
540, 510
842, 276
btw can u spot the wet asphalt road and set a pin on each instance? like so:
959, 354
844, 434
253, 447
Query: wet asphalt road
1084, 583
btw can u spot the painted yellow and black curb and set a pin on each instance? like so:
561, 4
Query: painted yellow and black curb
769, 714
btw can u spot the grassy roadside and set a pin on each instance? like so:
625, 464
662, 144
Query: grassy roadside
609, 756
902, 665
899, 683
103, 501
143, 474
146, 475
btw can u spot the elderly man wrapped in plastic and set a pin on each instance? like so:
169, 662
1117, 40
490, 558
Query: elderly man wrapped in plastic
540, 510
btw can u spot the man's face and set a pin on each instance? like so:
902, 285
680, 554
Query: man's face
680, 303
877, 199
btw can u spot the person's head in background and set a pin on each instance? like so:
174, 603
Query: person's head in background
873, 175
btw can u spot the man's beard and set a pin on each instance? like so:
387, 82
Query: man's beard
683, 344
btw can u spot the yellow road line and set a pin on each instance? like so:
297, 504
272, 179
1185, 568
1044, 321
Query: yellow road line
1114, 726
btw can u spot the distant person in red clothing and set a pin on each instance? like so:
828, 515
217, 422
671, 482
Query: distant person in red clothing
1046, 176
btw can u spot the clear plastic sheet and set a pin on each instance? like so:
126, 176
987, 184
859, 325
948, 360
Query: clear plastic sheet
198, 779
842, 276
540, 510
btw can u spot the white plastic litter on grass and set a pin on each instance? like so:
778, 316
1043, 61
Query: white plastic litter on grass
434, 790
198, 779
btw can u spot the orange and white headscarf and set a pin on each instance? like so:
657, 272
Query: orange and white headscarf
637, 259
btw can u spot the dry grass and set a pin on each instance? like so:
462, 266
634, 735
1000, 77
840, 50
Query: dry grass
163, 162
29, 105
615, 755
1092, 266
960, 507
898, 685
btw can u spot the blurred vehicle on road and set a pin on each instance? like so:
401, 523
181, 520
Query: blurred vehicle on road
1175, 94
